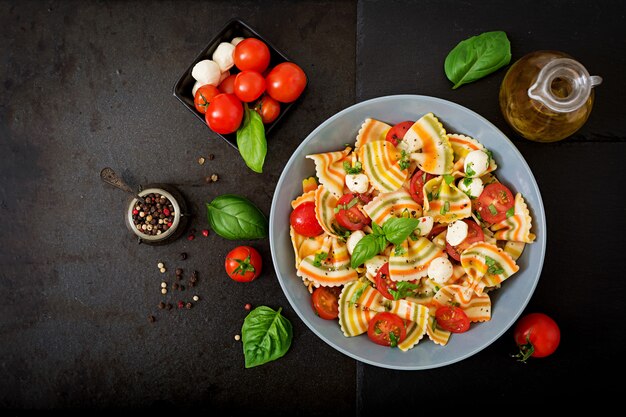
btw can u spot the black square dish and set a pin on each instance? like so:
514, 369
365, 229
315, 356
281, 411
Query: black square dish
234, 28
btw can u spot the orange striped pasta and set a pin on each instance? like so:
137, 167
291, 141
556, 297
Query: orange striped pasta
381, 192
329, 170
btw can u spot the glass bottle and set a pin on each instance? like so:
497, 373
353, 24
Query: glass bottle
546, 96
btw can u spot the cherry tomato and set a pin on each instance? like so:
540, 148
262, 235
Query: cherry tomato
536, 335
474, 234
493, 203
268, 108
303, 220
243, 264
436, 230
203, 97
251, 54
383, 325
285, 82
383, 282
349, 215
249, 85
227, 85
416, 186
452, 319
396, 133
224, 114
325, 301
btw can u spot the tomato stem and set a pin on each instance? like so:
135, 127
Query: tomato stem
244, 266
525, 351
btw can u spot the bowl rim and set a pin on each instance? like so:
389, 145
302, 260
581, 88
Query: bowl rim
538, 211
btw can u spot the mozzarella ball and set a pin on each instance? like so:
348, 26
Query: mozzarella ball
353, 239
236, 40
196, 85
457, 232
425, 225
223, 56
207, 71
373, 265
357, 183
440, 270
476, 161
473, 187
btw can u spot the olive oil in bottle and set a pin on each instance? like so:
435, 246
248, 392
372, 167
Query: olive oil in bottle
546, 96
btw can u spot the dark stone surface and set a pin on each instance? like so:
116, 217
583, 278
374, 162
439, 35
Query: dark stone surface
87, 85
579, 180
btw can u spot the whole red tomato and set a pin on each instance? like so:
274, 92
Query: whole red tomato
249, 85
243, 264
228, 84
268, 108
203, 97
285, 82
536, 335
251, 54
224, 114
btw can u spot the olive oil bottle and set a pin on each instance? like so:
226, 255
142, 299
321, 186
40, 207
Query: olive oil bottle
546, 96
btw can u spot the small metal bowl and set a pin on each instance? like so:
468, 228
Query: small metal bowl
181, 217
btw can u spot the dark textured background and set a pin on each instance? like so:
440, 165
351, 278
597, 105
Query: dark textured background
89, 84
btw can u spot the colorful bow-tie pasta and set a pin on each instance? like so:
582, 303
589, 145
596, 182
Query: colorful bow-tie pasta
387, 250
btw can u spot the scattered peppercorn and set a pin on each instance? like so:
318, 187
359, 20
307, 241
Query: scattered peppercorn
168, 306
179, 271
205, 232
181, 304
164, 284
175, 286
211, 157
248, 307
214, 177
188, 306
181, 287
160, 265
183, 256
161, 305
162, 270
237, 337
191, 237
163, 291
151, 319
196, 298
201, 160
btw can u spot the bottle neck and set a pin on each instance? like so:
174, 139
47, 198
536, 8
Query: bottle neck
563, 85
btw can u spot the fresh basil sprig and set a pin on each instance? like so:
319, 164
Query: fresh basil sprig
477, 57
266, 336
395, 230
236, 218
251, 140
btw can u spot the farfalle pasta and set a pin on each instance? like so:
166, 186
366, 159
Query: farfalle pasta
407, 235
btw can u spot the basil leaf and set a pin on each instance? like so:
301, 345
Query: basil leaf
236, 218
477, 57
398, 229
266, 336
368, 247
319, 258
251, 140
449, 179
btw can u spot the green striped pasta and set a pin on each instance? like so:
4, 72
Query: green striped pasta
354, 307
329, 170
487, 265
325, 203
516, 227
328, 267
371, 130
411, 262
416, 328
381, 164
436, 333
477, 307
304, 246
514, 249
429, 146
444, 202
394, 204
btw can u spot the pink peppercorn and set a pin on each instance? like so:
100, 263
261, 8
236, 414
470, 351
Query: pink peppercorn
135, 211
205, 232
191, 237
248, 306
166, 211
181, 304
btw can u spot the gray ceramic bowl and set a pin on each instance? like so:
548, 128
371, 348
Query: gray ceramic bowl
507, 303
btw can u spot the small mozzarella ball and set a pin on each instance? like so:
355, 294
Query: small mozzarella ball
425, 225
457, 232
357, 183
476, 161
207, 71
373, 265
224, 75
440, 270
236, 40
196, 85
354, 238
473, 187
223, 56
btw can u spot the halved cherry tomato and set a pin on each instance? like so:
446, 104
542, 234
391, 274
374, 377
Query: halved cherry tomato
536, 335
303, 220
383, 282
268, 108
243, 264
325, 301
249, 85
349, 215
203, 97
227, 85
285, 82
224, 114
251, 54
493, 203
474, 234
452, 319
383, 325
436, 230
396, 133
416, 187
